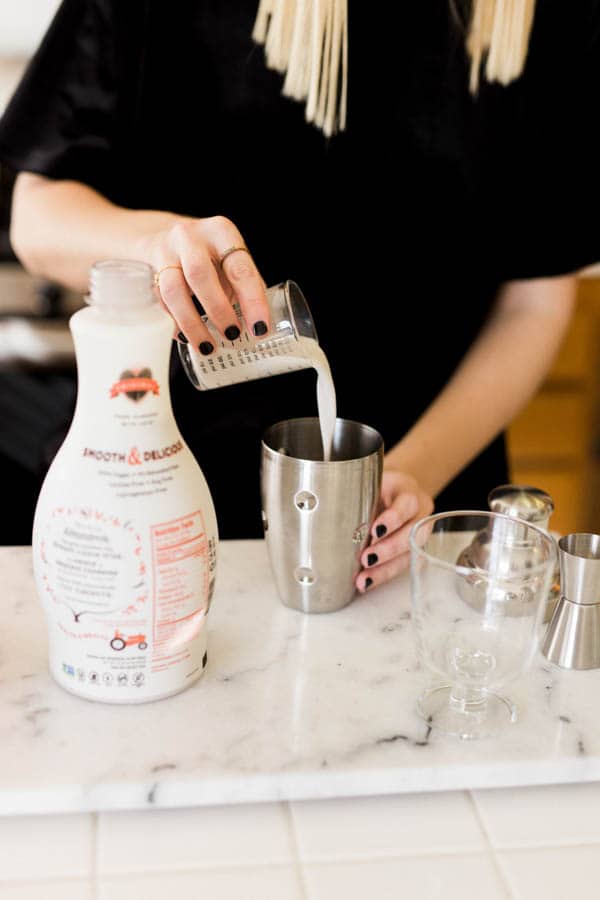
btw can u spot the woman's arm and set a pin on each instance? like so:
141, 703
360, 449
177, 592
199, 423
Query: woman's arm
501, 371
60, 228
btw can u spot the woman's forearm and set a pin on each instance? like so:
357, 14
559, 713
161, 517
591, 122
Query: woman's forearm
499, 374
60, 228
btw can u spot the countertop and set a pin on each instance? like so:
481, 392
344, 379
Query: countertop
290, 707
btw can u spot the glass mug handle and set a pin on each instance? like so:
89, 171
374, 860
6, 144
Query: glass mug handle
245, 358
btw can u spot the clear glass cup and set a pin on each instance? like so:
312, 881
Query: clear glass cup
477, 627
284, 349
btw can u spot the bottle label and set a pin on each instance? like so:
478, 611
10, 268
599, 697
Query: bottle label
180, 573
127, 611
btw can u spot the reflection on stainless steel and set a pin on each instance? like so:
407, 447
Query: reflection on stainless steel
508, 548
523, 501
317, 514
573, 637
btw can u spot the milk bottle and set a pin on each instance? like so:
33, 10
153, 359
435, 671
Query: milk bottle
125, 535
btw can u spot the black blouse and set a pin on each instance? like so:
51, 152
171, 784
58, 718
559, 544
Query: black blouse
399, 230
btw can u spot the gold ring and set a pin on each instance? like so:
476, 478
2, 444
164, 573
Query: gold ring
164, 269
229, 251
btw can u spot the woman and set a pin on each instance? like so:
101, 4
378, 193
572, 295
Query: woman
435, 233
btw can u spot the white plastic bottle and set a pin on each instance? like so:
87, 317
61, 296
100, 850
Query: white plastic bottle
125, 533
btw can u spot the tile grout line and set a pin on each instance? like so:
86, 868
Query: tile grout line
297, 861
491, 850
94, 861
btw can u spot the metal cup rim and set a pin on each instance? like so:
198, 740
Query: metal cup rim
321, 462
567, 539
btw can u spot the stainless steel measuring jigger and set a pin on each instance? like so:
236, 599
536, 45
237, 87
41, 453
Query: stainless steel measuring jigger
573, 636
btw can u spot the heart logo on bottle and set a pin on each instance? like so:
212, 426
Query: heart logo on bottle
135, 374
135, 384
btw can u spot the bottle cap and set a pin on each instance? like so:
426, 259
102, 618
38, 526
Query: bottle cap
121, 284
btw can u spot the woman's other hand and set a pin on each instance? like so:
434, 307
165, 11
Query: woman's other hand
187, 258
403, 502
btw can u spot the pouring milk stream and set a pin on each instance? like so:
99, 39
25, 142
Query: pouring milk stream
291, 345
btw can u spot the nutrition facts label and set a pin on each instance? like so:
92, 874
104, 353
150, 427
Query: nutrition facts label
181, 576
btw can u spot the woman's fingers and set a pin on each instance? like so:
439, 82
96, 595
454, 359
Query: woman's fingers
404, 507
200, 273
175, 294
389, 557
388, 553
395, 544
240, 271
370, 578
188, 259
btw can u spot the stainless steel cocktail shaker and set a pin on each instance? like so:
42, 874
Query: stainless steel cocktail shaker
519, 501
523, 501
317, 515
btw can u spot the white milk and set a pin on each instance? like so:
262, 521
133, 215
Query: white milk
326, 399
245, 360
125, 534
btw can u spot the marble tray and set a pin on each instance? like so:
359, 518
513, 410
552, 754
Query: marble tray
290, 707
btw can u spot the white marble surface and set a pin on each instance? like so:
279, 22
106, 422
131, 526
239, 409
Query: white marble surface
290, 707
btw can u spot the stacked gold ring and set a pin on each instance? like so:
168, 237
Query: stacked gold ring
160, 271
231, 250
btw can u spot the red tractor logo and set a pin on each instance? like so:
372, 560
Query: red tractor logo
120, 641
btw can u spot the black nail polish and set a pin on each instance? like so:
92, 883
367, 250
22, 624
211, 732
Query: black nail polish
181, 337
198, 305
380, 531
232, 333
372, 558
205, 348
368, 583
259, 328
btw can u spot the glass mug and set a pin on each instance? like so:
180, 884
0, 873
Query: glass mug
288, 346
476, 627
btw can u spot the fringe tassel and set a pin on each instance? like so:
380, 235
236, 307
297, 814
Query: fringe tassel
501, 29
308, 41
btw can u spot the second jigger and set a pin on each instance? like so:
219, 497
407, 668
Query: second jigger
317, 515
572, 640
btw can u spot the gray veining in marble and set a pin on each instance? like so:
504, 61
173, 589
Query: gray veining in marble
290, 706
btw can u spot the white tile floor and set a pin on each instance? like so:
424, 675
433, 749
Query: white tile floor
249, 835
417, 878
521, 844
45, 847
374, 827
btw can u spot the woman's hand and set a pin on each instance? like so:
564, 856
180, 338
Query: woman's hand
388, 554
186, 255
